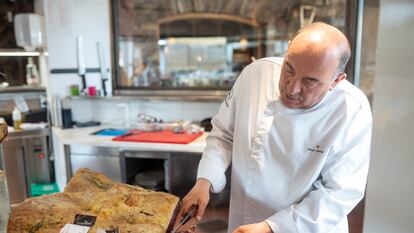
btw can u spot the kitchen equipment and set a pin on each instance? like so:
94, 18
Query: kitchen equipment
81, 63
102, 67
26, 160
28, 31
101, 159
164, 136
187, 216
66, 113
110, 132
153, 179
305, 10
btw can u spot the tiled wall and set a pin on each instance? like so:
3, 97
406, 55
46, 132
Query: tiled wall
111, 112
65, 20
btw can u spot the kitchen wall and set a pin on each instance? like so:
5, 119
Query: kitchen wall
390, 193
67, 19
113, 112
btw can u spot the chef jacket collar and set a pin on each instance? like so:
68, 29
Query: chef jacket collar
279, 108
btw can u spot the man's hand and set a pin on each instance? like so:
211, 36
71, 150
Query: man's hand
199, 196
260, 227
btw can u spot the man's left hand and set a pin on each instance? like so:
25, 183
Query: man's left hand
260, 227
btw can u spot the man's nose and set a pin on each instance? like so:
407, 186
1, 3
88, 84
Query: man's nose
293, 87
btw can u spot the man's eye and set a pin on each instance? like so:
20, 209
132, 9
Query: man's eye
311, 82
289, 69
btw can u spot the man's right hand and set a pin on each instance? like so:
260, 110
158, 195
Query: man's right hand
199, 196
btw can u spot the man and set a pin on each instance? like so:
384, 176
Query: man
298, 137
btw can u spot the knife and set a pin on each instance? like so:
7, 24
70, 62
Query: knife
187, 216
102, 67
81, 63
130, 133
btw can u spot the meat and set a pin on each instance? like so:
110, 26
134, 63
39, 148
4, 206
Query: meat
3, 131
117, 206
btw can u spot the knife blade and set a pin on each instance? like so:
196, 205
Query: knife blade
187, 216
81, 63
102, 67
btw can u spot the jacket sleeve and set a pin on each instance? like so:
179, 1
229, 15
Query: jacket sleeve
217, 155
341, 184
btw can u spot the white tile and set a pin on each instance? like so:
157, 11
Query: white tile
198, 111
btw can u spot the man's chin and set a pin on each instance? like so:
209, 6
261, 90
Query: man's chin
294, 104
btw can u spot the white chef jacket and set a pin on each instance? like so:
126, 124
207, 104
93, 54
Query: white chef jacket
301, 170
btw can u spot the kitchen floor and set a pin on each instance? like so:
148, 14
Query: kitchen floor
215, 221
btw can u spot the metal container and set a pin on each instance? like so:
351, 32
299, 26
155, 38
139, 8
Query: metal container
4, 202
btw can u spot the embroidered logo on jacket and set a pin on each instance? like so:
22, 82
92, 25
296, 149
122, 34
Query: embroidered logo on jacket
317, 149
229, 96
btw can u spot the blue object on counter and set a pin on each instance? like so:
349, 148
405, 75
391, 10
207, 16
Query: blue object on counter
110, 132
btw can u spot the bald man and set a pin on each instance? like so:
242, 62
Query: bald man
297, 134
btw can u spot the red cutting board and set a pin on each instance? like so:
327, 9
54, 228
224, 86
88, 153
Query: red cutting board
165, 136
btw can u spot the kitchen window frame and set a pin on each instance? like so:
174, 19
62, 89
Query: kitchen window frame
353, 18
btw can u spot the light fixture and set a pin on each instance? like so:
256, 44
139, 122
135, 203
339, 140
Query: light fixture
171, 40
244, 42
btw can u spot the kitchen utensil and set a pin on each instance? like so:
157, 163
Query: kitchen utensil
81, 63
164, 136
187, 216
102, 67
130, 133
110, 132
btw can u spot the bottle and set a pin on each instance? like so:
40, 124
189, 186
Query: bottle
32, 75
17, 118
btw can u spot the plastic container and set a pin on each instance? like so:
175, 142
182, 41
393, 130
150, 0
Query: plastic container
46, 188
17, 118
28, 31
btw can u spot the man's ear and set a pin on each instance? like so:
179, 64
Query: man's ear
338, 78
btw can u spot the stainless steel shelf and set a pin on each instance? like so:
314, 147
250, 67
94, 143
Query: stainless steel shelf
15, 89
189, 98
20, 53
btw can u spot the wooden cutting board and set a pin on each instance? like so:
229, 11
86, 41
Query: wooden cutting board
164, 136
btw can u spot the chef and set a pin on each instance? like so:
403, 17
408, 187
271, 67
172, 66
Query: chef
298, 136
